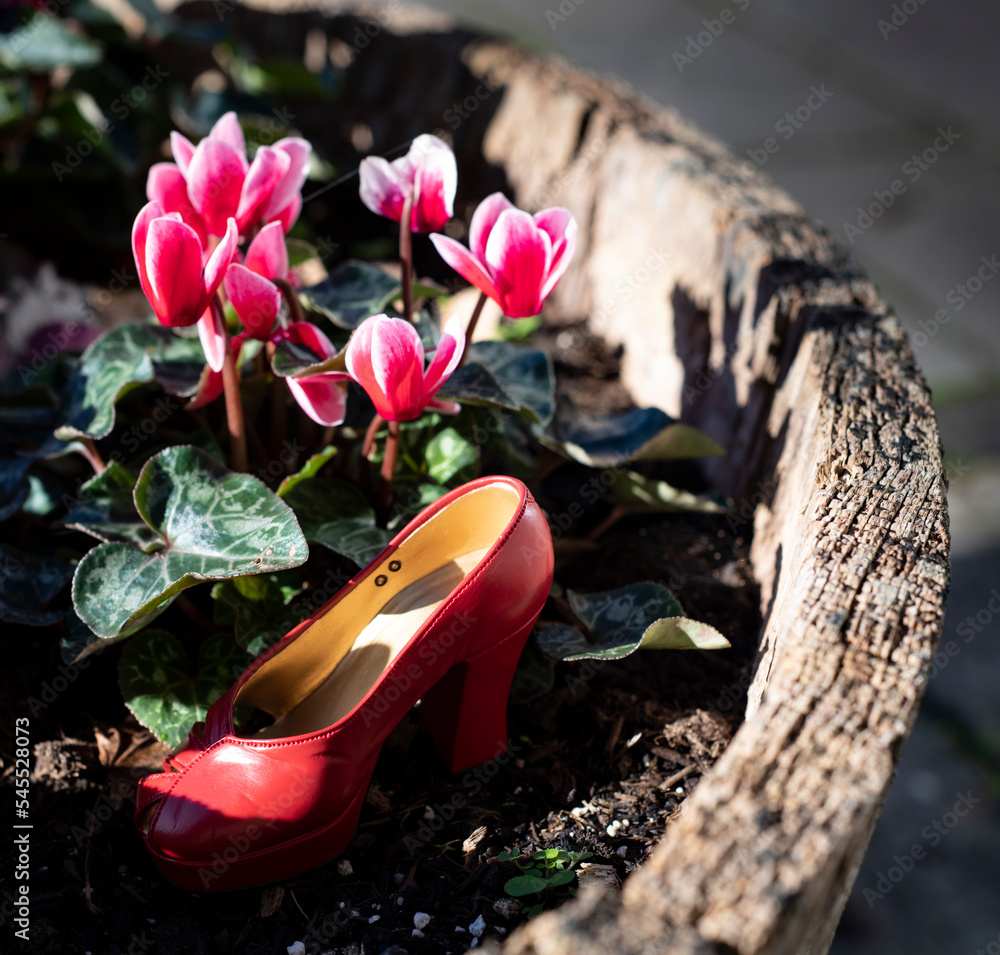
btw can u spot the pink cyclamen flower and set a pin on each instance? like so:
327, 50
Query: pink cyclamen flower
515, 258
427, 173
177, 274
386, 357
221, 184
249, 286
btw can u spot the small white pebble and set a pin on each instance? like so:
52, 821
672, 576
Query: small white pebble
355, 913
416, 933
428, 813
344, 867
611, 830
343, 905
421, 920
679, 789
399, 900
621, 851
478, 927
564, 340
398, 877
577, 811
458, 928
374, 919
296, 948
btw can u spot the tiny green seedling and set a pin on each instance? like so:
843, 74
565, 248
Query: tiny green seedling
544, 874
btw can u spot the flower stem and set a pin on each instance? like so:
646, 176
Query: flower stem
234, 402
89, 450
279, 407
406, 257
369, 442
470, 331
294, 308
388, 471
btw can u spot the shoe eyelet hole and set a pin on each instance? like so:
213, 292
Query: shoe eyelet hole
394, 565
381, 580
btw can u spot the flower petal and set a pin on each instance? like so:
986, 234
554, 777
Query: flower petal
183, 150
227, 129
266, 171
173, 267
166, 184
483, 220
219, 261
447, 355
561, 228
382, 188
255, 299
213, 338
140, 229
445, 407
215, 180
299, 153
268, 254
322, 397
518, 255
466, 264
434, 184
290, 214
312, 337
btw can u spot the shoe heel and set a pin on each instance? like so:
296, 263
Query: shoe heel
465, 712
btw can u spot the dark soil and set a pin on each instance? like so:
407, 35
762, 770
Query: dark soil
601, 762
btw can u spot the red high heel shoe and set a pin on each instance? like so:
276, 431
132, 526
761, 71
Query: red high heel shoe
441, 614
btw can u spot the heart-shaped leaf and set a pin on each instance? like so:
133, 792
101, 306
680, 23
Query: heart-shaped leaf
504, 375
106, 510
635, 493
472, 384
526, 375
210, 524
337, 515
124, 357
619, 622
261, 608
682, 633
28, 582
352, 291
159, 690
640, 434
447, 454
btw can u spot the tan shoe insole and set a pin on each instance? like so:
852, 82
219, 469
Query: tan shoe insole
372, 653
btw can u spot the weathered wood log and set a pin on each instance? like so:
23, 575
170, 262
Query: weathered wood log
741, 315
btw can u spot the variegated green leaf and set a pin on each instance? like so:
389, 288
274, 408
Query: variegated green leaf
210, 524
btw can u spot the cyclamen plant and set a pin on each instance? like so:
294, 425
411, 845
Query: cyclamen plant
378, 381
